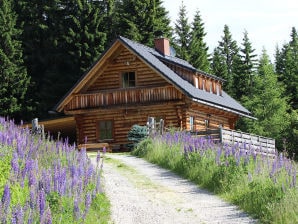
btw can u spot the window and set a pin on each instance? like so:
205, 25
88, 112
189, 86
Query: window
128, 79
191, 123
105, 130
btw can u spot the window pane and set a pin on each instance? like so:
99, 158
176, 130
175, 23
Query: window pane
128, 79
105, 130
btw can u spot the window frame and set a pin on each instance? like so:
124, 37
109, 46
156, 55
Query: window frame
108, 136
129, 81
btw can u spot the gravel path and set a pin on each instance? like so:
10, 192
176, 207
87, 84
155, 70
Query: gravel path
142, 193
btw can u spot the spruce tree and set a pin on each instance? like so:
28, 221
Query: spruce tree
229, 53
198, 47
142, 21
13, 76
267, 103
286, 65
182, 31
243, 75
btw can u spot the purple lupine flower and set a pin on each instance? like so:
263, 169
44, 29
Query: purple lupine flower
6, 197
46, 181
32, 178
48, 217
62, 182
89, 172
15, 163
32, 198
98, 186
17, 215
41, 203
20, 150
218, 155
76, 209
88, 201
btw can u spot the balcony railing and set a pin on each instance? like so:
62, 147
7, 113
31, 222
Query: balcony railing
124, 97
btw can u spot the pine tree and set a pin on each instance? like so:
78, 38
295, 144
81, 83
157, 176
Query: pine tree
229, 53
267, 103
218, 64
13, 76
286, 65
243, 75
142, 21
62, 38
182, 29
198, 48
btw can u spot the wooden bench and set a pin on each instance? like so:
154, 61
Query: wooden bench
96, 146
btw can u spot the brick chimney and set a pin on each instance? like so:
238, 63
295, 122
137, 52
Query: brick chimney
162, 45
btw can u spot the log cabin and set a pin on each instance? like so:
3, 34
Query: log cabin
131, 82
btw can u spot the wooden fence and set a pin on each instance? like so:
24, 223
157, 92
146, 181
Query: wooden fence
259, 143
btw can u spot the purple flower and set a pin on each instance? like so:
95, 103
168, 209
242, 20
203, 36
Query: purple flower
17, 215
98, 187
76, 209
41, 203
6, 197
15, 163
88, 201
32, 198
32, 178
48, 217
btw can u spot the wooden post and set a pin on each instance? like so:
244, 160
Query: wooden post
220, 133
151, 125
161, 126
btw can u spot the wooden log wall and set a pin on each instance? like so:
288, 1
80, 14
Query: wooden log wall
123, 120
126, 62
215, 117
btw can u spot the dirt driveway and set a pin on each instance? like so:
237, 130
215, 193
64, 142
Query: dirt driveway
143, 193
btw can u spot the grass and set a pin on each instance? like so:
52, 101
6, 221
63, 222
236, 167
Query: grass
264, 187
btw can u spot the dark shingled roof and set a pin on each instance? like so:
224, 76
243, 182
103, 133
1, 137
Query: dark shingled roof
154, 58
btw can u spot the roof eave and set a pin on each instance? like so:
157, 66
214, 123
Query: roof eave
243, 114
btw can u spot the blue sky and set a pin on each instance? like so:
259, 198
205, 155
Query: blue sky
268, 22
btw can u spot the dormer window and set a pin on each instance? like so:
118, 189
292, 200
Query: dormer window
128, 79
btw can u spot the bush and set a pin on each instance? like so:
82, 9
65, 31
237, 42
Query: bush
136, 134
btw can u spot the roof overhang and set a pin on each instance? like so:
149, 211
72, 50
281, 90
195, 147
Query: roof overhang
224, 108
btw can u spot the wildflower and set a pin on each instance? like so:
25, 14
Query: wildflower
41, 203
87, 203
17, 215
6, 197
76, 209
98, 157
15, 163
32, 198
48, 217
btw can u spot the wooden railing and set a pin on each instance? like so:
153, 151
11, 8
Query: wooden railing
231, 137
124, 96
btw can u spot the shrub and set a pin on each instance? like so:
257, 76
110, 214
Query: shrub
136, 134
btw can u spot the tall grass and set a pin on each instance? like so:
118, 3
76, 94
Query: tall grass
43, 181
262, 185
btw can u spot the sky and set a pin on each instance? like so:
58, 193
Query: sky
268, 22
